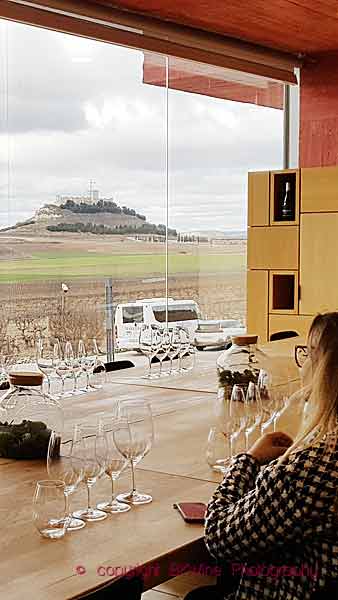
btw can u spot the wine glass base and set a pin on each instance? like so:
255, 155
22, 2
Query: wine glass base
92, 514
113, 507
75, 524
134, 498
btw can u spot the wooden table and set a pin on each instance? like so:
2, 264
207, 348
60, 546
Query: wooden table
153, 535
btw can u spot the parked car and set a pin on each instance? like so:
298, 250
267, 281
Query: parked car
217, 333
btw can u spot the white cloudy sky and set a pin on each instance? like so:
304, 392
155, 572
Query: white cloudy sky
73, 110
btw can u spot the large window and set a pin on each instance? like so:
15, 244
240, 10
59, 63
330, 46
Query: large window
101, 150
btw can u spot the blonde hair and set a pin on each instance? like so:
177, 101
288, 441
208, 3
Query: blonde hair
322, 393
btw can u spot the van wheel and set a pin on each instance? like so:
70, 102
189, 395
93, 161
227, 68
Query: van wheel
200, 348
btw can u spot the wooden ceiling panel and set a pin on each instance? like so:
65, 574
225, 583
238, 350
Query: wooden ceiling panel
290, 25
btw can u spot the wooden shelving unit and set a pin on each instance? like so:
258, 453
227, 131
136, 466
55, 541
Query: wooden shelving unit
292, 264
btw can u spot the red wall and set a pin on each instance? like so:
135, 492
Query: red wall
319, 112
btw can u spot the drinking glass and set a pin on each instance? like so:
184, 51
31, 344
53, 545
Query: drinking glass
217, 452
267, 396
87, 358
74, 366
237, 415
165, 349
49, 509
149, 343
185, 353
87, 450
135, 446
114, 463
62, 369
174, 349
253, 410
61, 466
45, 359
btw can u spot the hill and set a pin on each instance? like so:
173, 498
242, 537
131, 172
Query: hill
100, 218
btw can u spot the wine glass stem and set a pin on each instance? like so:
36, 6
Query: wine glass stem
112, 491
48, 385
67, 510
150, 358
88, 498
132, 477
87, 375
63, 386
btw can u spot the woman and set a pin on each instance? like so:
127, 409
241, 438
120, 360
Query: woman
276, 528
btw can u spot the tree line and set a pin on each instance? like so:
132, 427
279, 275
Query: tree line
100, 229
102, 206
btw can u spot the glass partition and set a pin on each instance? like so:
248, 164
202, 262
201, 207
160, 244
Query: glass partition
123, 173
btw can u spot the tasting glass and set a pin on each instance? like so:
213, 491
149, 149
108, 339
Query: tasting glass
267, 396
87, 356
75, 368
149, 343
135, 444
112, 461
237, 416
217, 452
62, 466
63, 370
45, 359
174, 349
186, 354
253, 410
49, 509
165, 349
88, 449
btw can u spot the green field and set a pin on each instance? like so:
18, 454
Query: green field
43, 266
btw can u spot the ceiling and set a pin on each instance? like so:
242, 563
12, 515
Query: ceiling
301, 26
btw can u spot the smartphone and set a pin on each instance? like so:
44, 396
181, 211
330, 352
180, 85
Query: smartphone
192, 512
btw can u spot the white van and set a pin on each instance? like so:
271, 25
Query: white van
131, 316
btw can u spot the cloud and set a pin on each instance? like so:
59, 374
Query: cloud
78, 110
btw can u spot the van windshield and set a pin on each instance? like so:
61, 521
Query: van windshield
183, 312
132, 314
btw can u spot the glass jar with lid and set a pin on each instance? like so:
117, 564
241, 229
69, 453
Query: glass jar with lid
27, 417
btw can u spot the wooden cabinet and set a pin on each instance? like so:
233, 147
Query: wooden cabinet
297, 323
319, 189
278, 182
283, 292
318, 263
273, 248
258, 198
257, 303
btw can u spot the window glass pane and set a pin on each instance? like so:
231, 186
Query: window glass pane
132, 314
83, 193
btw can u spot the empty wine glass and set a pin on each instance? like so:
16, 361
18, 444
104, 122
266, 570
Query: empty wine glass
113, 462
87, 450
49, 509
217, 452
174, 349
165, 348
267, 396
135, 447
237, 415
185, 354
45, 359
87, 356
149, 344
253, 410
62, 466
74, 366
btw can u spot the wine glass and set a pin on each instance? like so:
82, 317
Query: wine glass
268, 401
217, 452
139, 417
87, 358
87, 450
74, 366
44, 360
62, 369
185, 350
114, 463
165, 349
174, 349
149, 344
49, 509
62, 466
237, 415
253, 410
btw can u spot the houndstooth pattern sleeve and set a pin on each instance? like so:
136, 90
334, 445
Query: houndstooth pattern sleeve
251, 514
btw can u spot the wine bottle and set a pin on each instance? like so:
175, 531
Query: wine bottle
287, 205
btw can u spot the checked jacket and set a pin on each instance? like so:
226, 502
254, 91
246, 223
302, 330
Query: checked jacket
282, 515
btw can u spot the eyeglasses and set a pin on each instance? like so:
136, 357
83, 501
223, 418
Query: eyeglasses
301, 354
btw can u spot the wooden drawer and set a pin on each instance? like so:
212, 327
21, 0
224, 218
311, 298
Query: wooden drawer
298, 323
258, 198
257, 303
319, 189
283, 292
273, 247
